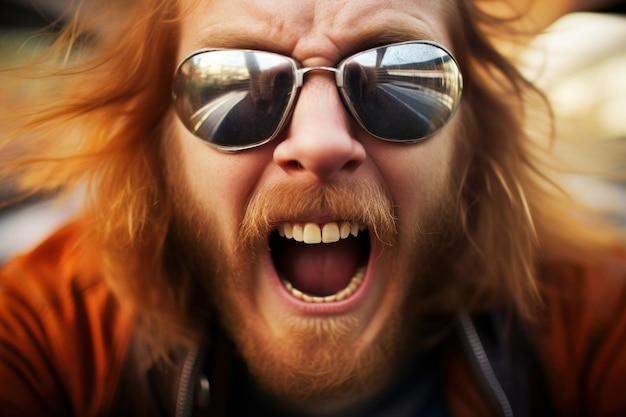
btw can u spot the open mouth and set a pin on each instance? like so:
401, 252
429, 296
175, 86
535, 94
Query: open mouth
320, 263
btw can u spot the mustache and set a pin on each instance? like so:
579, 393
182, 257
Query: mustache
362, 203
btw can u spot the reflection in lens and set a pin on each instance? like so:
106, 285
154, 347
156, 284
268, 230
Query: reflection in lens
403, 92
233, 98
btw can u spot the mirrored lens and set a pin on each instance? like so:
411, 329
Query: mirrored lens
233, 98
402, 92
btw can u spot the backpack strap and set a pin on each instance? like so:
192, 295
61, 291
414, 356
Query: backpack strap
506, 364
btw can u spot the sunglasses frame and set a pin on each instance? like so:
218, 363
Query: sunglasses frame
299, 73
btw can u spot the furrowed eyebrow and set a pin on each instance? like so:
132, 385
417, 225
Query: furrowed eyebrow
390, 34
377, 36
234, 40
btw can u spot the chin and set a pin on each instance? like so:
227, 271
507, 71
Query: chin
303, 351
319, 312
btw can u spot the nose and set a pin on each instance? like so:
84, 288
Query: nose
319, 139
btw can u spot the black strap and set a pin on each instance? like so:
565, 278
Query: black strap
515, 363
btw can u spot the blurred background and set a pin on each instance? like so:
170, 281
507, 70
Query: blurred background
23, 223
580, 62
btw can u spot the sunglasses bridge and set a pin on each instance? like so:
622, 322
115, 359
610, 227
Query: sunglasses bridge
301, 72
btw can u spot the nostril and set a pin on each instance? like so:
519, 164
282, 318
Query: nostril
352, 165
293, 165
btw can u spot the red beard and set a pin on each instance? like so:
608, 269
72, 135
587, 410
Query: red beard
321, 358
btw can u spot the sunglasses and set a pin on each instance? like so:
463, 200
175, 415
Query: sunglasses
235, 99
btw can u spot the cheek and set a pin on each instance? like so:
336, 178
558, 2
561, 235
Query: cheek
214, 185
418, 176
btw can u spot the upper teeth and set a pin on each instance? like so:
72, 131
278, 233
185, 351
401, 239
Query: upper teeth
316, 233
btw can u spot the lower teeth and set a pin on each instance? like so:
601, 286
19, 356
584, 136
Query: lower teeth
347, 292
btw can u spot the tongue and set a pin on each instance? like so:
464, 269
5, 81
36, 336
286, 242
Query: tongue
322, 269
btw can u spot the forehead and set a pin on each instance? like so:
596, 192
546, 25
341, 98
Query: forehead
318, 30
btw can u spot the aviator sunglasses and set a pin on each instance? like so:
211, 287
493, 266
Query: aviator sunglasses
236, 99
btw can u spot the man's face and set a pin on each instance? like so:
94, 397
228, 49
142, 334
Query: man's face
326, 172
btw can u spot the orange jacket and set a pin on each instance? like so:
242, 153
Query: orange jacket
65, 342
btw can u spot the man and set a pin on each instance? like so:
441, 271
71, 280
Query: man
302, 208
